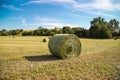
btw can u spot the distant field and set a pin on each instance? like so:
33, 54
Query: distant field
28, 58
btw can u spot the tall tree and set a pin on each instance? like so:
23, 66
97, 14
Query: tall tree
98, 20
80, 32
99, 29
67, 29
77, 31
3, 32
15, 32
113, 24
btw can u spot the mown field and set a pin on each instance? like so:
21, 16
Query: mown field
28, 58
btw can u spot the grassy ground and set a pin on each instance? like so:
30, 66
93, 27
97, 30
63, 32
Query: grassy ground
28, 58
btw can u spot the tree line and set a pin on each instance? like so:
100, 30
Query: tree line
99, 28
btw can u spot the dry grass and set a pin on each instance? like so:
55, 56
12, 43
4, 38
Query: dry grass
28, 58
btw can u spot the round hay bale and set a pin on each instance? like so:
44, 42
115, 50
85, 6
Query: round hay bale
115, 38
44, 40
65, 45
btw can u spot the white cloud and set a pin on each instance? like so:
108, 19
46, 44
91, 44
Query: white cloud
51, 24
23, 21
98, 13
45, 19
50, 1
45, 22
94, 7
98, 4
17, 18
103, 4
75, 15
56, 24
11, 7
103, 14
94, 4
48, 19
117, 6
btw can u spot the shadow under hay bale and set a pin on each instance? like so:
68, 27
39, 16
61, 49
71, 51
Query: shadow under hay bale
41, 58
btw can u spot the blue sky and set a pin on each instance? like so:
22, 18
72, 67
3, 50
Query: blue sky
29, 14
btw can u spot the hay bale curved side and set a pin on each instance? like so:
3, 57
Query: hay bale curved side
65, 45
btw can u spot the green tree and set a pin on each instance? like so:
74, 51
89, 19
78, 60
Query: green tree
81, 32
114, 27
28, 33
98, 20
99, 29
67, 30
36, 32
51, 32
42, 32
119, 31
3, 32
15, 32
113, 24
